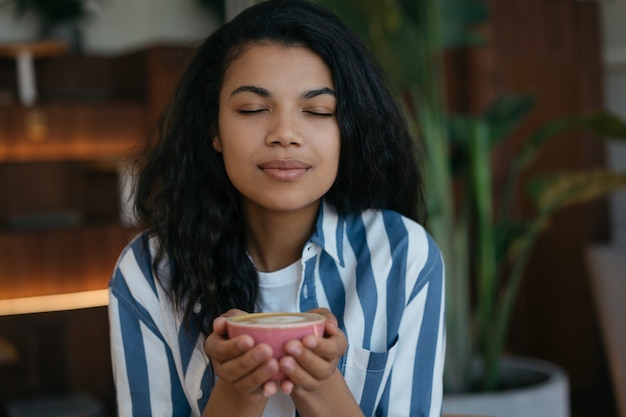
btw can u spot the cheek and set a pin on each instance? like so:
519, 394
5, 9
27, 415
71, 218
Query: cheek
237, 164
334, 151
231, 163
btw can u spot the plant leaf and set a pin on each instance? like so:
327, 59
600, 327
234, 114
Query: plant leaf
506, 234
390, 34
390, 27
506, 113
553, 192
458, 19
459, 136
602, 123
502, 117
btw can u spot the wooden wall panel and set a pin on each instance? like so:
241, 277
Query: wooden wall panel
59, 218
59, 353
59, 261
168, 65
75, 131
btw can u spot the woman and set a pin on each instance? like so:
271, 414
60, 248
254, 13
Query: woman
284, 178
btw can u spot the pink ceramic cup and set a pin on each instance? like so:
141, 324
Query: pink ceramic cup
276, 329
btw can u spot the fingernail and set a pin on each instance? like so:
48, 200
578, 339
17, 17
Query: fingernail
271, 367
288, 365
245, 343
262, 353
293, 349
310, 342
269, 389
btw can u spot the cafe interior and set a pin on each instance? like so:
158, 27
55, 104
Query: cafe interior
75, 108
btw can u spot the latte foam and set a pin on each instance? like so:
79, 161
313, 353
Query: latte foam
276, 319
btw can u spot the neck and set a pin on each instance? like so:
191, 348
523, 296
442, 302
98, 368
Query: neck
276, 238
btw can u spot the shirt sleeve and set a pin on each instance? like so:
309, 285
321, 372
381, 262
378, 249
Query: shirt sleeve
143, 364
415, 385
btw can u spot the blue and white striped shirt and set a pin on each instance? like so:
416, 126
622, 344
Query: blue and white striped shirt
380, 274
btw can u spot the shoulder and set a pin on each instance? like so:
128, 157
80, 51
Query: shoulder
331, 224
405, 240
388, 225
133, 276
383, 238
136, 254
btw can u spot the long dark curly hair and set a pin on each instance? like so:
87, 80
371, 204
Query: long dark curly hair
184, 196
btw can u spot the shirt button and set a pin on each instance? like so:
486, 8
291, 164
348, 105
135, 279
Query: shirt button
197, 308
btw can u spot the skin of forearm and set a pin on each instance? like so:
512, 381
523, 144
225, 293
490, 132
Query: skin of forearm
332, 399
225, 402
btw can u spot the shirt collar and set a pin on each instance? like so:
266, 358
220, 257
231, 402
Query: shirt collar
329, 232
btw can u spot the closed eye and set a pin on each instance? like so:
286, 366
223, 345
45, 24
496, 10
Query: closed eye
319, 113
243, 111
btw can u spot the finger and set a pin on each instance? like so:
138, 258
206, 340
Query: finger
219, 325
326, 313
219, 349
306, 361
286, 386
331, 328
297, 375
249, 362
331, 347
213, 346
270, 388
258, 379
234, 312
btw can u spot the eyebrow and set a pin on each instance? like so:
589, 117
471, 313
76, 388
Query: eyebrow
263, 92
319, 92
251, 89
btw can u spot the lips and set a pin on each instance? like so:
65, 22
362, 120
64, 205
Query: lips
285, 170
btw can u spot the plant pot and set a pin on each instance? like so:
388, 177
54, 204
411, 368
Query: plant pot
543, 391
607, 264
68, 32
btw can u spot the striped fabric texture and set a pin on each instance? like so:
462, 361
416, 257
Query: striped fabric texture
380, 274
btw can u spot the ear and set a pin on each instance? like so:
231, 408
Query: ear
217, 145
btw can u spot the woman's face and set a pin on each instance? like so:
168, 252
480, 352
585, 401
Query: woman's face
278, 130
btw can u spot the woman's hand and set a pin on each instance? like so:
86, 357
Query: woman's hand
313, 360
238, 363
314, 382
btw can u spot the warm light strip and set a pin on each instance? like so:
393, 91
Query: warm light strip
57, 302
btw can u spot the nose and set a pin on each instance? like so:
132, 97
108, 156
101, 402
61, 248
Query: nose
284, 130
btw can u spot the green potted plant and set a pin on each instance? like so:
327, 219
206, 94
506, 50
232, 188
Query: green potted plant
409, 37
57, 18
215, 6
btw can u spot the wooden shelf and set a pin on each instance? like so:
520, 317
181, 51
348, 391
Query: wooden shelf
75, 131
36, 49
24, 55
60, 231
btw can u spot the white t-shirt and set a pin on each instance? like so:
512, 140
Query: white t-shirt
279, 292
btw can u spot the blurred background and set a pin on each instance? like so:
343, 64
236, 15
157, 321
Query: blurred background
76, 101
